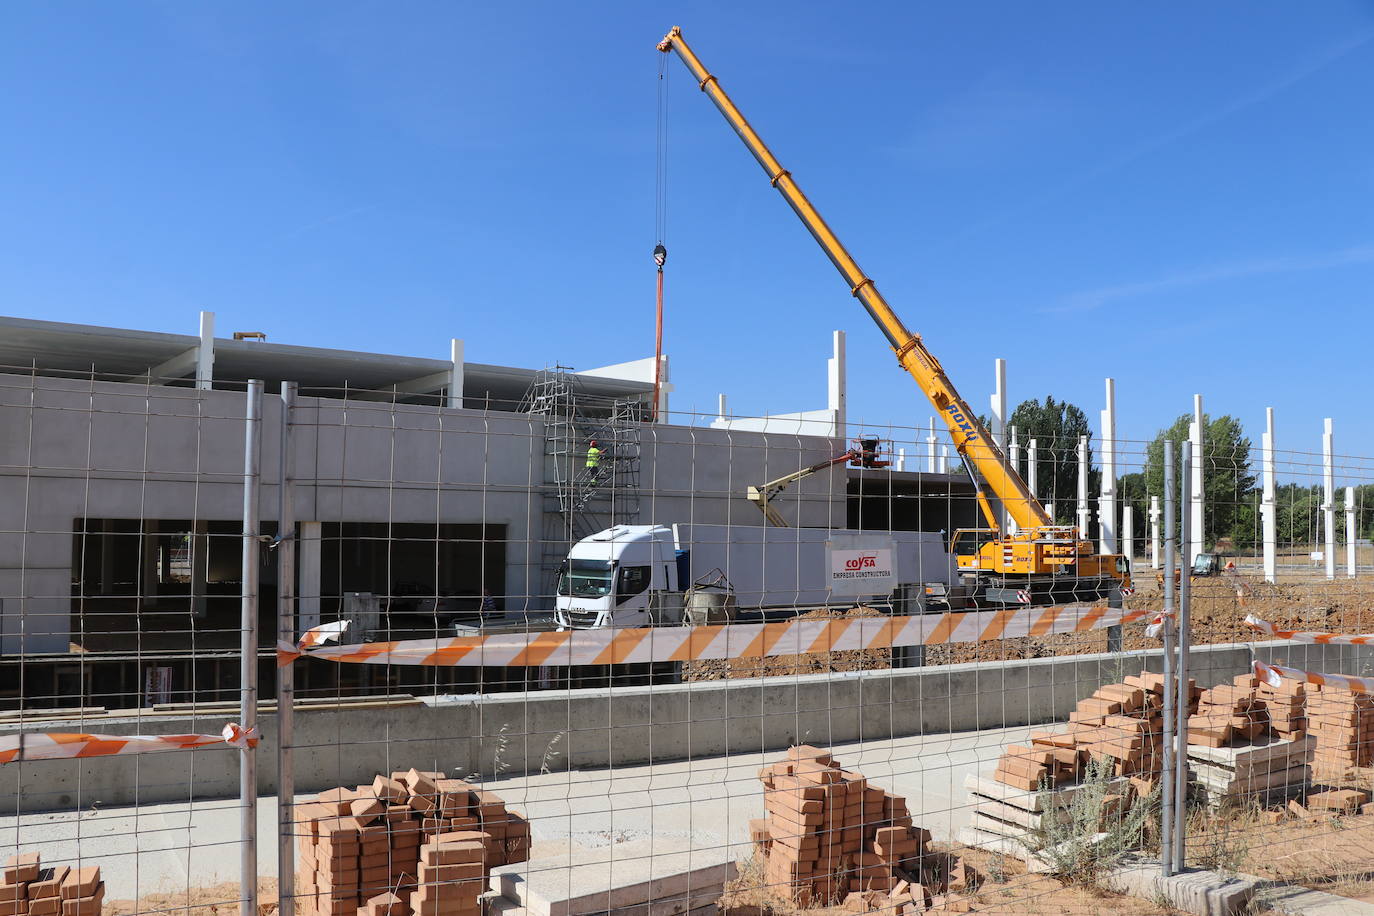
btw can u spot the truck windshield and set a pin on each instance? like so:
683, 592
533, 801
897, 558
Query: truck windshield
585, 578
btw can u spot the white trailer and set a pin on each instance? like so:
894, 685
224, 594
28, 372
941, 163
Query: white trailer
618, 576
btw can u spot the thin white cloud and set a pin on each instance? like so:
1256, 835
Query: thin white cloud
1096, 298
326, 221
1292, 76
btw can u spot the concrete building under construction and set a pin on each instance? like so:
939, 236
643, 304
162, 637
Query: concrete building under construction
425, 491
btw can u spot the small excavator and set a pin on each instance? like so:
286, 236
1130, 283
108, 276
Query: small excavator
866, 453
1206, 565
1037, 561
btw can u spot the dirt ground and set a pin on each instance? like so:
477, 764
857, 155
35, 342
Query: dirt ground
1329, 853
1333, 854
1218, 607
212, 900
1007, 889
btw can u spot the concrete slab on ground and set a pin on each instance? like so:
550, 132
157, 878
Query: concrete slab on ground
1303, 901
660, 876
701, 806
149, 849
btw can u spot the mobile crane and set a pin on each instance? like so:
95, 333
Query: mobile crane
1038, 562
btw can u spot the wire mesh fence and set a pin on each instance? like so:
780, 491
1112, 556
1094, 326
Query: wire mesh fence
553, 653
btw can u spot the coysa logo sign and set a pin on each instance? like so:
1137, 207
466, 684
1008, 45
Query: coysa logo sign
871, 566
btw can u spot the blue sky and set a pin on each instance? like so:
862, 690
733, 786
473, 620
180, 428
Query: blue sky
1176, 195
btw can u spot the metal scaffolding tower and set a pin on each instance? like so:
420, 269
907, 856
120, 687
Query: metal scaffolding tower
578, 500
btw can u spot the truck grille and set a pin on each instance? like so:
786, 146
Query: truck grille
583, 619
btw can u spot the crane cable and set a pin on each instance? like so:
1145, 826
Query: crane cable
660, 224
661, 154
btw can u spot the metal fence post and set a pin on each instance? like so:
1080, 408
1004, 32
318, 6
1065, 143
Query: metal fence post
1181, 704
248, 651
1116, 636
1166, 827
286, 675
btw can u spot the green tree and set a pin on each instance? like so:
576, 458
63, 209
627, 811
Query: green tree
1056, 427
1228, 503
1130, 490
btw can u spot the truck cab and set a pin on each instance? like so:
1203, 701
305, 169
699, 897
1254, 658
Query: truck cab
607, 577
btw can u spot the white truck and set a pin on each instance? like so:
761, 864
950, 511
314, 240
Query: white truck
638, 575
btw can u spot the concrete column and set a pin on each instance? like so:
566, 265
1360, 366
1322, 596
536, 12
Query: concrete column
205, 353
665, 388
1329, 498
308, 568
1269, 514
1127, 532
200, 565
944, 459
722, 412
901, 459
1154, 532
1032, 465
933, 457
838, 402
1014, 456
1085, 514
1350, 532
1198, 538
1107, 503
455, 382
148, 556
999, 429
999, 403
108, 541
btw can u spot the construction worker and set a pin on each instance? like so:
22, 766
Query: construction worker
593, 460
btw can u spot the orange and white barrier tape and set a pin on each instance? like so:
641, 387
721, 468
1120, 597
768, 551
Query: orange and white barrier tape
1155, 627
1241, 587
1274, 675
325, 632
609, 646
67, 745
1313, 636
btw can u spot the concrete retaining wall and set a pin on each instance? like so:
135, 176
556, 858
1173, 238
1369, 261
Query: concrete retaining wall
517, 733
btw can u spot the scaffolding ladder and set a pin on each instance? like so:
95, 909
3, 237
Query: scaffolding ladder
577, 502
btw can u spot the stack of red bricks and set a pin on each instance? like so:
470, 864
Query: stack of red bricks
1343, 724
31, 890
361, 849
831, 836
1285, 705
1229, 713
1119, 723
452, 875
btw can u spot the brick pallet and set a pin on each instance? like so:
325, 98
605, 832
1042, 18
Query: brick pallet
1004, 815
1120, 725
31, 890
362, 850
830, 836
1268, 769
1343, 724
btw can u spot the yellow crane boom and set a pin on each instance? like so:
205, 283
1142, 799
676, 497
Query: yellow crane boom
971, 440
1037, 560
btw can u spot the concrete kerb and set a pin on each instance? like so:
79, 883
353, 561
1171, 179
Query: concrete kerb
1200, 891
517, 733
